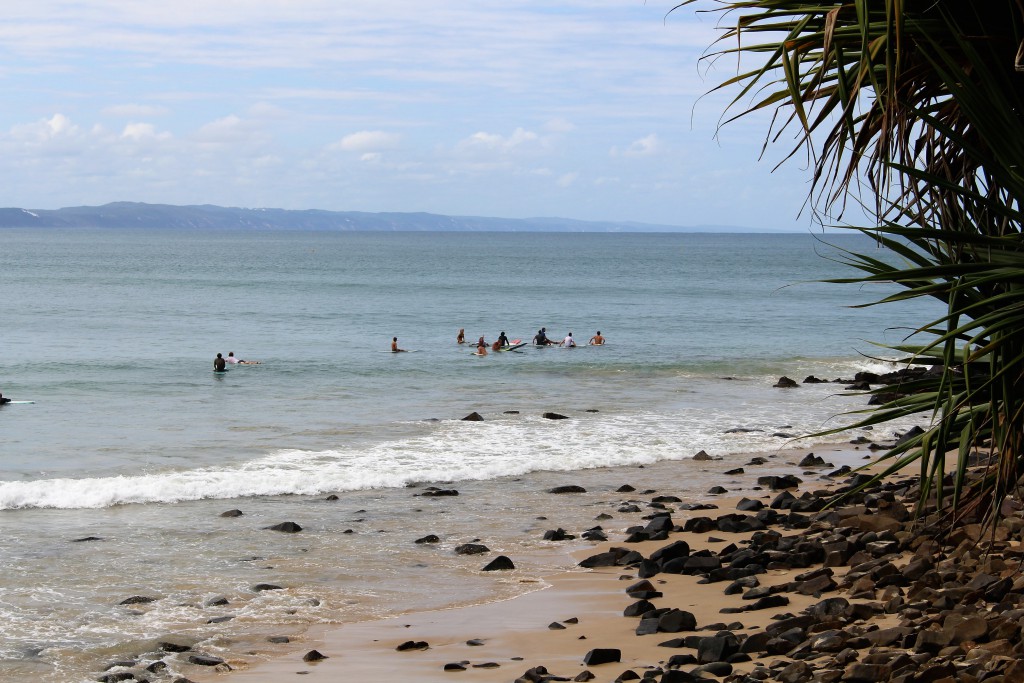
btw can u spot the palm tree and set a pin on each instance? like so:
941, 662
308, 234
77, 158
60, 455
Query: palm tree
917, 105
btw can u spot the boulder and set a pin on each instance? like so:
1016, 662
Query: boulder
500, 563
602, 656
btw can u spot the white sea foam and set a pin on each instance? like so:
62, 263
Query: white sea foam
460, 450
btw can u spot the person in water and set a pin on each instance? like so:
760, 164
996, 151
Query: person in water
568, 341
219, 365
541, 339
3, 400
502, 339
481, 347
394, 346
231, 360
461, 339
597, 339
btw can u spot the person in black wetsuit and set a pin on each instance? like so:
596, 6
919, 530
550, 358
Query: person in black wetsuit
542, 338
502, 339
219, 365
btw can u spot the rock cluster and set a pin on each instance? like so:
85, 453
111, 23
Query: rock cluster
897, 598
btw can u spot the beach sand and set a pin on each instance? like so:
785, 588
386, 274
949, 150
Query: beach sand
556, 625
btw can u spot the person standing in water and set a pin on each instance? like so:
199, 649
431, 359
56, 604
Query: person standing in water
394, 346
597, 339
218, 364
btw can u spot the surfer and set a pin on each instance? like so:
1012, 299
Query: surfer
238, 361
502, 340
4, 400
394, 346
461, 339
219, 365
568, 342
541, 339
481, 347
597, 339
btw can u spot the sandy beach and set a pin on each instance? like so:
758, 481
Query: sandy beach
569, 614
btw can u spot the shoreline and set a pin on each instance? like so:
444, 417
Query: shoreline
537, 628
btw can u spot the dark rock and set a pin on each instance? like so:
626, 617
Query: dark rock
205, 660
137, 600
413, 645
473, 417
749, 505
558, 534
278, 640
286, 527
625, 488
717, 490
676, 621
218, 601
554, 416
434, 492
568, 489
231, 513
471, 549
786, 383
176, 644
500, 563
313, 656
701, 456
717, 648
455, 666
260, 587
602, 656
429, 538
734, 471
584, 676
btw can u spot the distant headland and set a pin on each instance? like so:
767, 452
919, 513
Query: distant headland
209, 217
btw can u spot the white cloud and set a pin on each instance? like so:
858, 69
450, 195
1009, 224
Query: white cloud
644, 147
367, 141
143, 131
494, 141
45, 129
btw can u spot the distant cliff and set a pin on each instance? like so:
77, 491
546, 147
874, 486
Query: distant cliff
208, 217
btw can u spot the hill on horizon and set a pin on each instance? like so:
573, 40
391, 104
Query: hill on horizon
210, 217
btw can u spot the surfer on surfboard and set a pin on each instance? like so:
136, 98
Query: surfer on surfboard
394, 346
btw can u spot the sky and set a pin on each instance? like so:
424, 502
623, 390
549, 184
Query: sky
592, 110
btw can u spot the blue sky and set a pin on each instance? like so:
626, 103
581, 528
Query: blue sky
521, 108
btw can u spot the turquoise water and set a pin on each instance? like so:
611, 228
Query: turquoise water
112, 335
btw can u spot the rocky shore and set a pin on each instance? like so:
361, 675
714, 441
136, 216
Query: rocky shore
773, 586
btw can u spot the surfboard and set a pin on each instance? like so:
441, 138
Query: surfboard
20, 403
515, 345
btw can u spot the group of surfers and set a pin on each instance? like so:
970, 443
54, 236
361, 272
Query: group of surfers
540, 339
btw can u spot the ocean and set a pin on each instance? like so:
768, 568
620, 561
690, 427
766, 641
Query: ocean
132, 442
